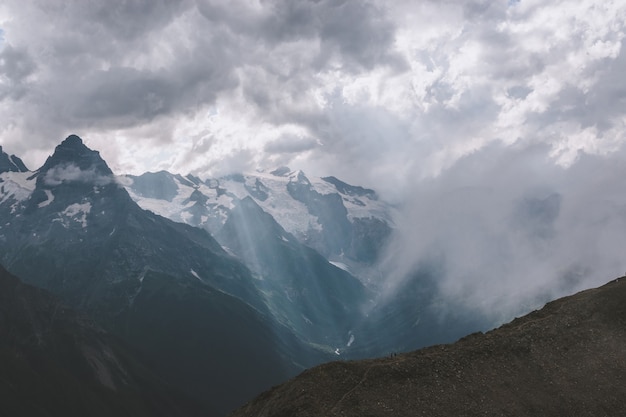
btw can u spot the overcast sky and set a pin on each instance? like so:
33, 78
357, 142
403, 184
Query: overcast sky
516, 100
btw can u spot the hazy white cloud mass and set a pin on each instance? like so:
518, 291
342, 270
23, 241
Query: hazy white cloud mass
498, 125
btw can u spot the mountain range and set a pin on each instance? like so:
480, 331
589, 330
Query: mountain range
348, 225
191, 296
220, 320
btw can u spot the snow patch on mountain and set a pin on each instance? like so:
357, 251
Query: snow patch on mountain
195, 274
180, 207
340, 265
48, 201
78, 213
17, 186
291, 214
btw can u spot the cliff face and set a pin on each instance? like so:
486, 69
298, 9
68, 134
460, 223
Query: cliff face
568, 358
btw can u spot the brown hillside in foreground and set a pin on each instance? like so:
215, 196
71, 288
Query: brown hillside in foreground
567, 359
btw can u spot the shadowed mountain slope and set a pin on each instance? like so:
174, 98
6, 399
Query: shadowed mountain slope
56, 362
569, 358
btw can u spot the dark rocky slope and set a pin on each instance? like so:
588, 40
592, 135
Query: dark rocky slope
56, 362
569, 358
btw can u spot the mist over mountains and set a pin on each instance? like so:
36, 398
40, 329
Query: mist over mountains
228, 286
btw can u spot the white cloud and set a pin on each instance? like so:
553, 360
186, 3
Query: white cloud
510, 230
60, 174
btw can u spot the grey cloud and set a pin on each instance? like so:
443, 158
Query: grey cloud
115, 20
536, 215
123, 93
607, 100
519, 91
512, 230
483, 10
87, 78
599, 107
360, 31
356, 31
16, 65
290, 144
122, 97
351, 35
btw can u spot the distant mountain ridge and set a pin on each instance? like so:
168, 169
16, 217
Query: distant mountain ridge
345, 223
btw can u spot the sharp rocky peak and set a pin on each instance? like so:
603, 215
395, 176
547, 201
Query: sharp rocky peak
72, 141
73, 152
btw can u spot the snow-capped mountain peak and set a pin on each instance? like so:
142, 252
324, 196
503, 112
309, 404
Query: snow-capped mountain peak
341, 221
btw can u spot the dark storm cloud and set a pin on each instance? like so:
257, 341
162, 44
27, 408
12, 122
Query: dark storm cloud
115, 20
119, 64
122, 96
16, 65
356, 32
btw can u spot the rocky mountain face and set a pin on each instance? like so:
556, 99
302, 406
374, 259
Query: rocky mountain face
56, 362
566, 359
11, 163
168, 289
320, 302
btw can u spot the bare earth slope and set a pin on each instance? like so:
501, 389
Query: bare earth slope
568, 358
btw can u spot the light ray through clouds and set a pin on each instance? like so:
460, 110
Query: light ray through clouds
471, 115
